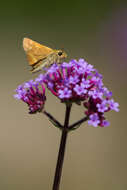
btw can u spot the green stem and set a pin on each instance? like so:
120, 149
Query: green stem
61, 153
53, 120
73, 126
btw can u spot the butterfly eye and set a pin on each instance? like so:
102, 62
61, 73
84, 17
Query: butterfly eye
60, 53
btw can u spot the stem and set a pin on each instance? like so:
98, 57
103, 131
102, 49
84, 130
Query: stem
78, 122
61, 153
57, 123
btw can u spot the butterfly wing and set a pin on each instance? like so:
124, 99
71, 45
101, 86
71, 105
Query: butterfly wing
35, 51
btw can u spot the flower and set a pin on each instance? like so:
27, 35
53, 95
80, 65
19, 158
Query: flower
94, 120
80, 89
102, 107
65, 93
69, 81
113, 105
78, 81
30, 93
75, 82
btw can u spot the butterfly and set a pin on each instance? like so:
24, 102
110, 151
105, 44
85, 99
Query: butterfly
40, 56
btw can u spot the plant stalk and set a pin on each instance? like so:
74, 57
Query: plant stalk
61, 153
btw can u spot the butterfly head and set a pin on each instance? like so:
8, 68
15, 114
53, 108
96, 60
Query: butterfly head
60, 54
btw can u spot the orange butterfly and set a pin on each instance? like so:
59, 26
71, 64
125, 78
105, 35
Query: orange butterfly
40, 56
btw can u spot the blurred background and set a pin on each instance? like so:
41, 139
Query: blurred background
96, 158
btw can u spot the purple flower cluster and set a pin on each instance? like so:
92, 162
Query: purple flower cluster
76, 81
31, 94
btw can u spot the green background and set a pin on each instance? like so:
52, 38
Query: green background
96, 158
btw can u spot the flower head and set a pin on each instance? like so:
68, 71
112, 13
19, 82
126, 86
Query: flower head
76, 81
31, 94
